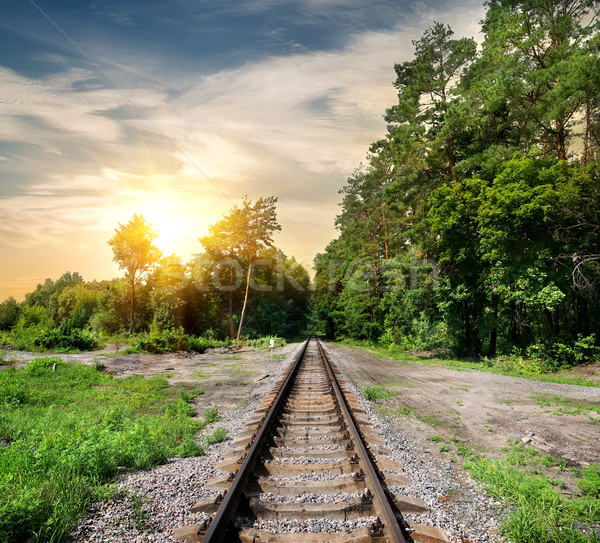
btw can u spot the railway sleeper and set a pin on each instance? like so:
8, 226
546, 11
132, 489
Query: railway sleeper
296, 418
269, 485
340, 452
315, 404
295, 433
327, 411
421, 533
358, 535
348, 509
308, 442
292, 470
336, 422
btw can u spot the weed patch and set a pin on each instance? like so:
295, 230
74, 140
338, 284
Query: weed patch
70, 429
540, 513
374, 394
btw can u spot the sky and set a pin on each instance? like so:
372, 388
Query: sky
178, 109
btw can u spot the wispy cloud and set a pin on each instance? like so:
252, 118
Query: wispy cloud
294, 126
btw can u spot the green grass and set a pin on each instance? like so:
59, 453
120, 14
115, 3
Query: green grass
71, 429
567, 406
539, 511
376, 393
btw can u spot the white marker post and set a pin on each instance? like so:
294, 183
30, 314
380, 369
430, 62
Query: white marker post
272, 344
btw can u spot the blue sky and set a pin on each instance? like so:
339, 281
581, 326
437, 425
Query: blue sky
178, 109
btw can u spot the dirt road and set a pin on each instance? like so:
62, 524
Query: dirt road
482, 411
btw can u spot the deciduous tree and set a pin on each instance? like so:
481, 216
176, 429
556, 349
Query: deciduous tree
135, 253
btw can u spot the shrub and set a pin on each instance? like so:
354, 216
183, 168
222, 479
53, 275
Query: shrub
560, 354
200, 344
262, 342
64, 338
211, 415
165, 341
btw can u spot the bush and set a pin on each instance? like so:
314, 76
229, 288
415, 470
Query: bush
262, 342
557, 355
218, 436
211, 415
70, 335
165, 341
200, 344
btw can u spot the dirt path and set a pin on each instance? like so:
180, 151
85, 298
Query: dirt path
481, 410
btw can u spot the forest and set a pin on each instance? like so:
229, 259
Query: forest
473, 225
240, 286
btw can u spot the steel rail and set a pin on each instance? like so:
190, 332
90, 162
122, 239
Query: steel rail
382, 505
217, 528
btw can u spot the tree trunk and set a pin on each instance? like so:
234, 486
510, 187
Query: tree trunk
131, 307
493, 336
231, 325
471, 341
239, 332
561, 149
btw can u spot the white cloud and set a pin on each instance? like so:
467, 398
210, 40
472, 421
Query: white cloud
294, 126
61, 104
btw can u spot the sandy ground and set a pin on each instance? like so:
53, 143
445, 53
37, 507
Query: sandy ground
482, 411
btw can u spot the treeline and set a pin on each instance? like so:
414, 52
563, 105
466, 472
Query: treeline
165, 301
474, 225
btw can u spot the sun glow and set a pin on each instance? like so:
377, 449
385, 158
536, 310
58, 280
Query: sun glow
174, 230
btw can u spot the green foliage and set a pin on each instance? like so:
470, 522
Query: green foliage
472, 228
200, 344
590, 481
541, 513
374, 394
211, 415
263, 342
165, 341
218, 436
556, 354
69, 335
9, 313
71, 428
32, 323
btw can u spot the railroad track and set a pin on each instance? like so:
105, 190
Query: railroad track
308, 468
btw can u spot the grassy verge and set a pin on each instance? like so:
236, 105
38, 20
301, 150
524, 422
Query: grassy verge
540, 511
504, 366
67, 429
